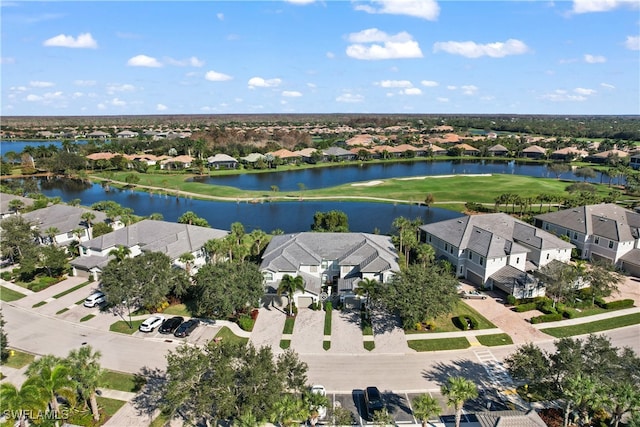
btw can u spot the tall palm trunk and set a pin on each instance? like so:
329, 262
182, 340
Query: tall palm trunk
94, 406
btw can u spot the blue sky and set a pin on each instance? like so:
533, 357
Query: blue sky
305, 56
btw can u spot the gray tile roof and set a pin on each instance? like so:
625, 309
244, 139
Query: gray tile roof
337, 151
170, 238
373, 253
493, 235
606, 220
89, 262
63, 217
6, 198
510, 419
632, 257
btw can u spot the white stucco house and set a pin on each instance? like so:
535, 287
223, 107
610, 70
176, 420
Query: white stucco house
169, 238
605, 232
336, 260
496, 251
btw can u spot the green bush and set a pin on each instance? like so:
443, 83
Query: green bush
569, 313
553, 317
5, 275
614, 305
525, 307
600, 302
246, 322
473, 321
546, 308
465, 322
511, 300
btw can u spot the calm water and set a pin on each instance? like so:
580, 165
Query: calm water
19, 146
329, 177
287, 216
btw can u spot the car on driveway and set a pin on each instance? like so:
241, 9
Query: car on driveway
170, 325
322, 410
185, 329
150, 323
473, 295
95, 299
373, 400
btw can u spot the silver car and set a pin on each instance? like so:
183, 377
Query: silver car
151, 323
473, 295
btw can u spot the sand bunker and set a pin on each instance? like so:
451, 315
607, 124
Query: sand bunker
366, 184
442, 176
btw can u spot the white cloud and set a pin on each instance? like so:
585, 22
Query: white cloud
193, 62
588, 6
469, 89
394, 83
350, 98
331, 55
472, 49
83, 41
452, 87
32, 98
40, 84
144, 61
161, 107
412, 91
429, 83
583, 91
291, 93
84, 82
77, 95
117, 102
215, 76
560, 95
607, 85
220, 16
440, 99
396, 46
7, 60
312, 85
255, 82
594, 59
425, 9
113, 88
632, 43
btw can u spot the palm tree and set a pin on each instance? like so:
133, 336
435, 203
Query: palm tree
187, 259
458, 390
17, 403
424, 407
247, 419
213, 248
51, 233
258, 236
88, 217
290, 285
53, 378
120, 253
367, 287
287, 410
86, 371
16, 205
428, 200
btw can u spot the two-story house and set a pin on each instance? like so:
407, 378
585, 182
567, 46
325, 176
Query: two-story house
496, 251
170, 238
337, 260
600, 232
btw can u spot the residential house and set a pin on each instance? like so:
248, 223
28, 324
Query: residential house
306, 154
222, 161
127, 134
65, 222
337, 260
98, 134
6, 209
177, 162
496, 251
252, 158
605, 232
568, 153
509, 418
608, 156
442, 128
285, 155
498, 150
534, 152
634, 161
434, 150
170, 238
338, 153
466, 149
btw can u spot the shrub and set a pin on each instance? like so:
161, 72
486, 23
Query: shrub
473, 322
463, 322
511, 300
525, 307
245, 322
569, 313
328, 306
546, 308
419, 326
553, 317
614, 305
5, 275
430, 326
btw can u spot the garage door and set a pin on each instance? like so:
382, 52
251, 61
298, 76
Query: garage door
632, 269
304, 302
474, 278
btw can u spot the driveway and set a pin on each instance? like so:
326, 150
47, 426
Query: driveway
346, 334
308, 332
388, 334
267, 330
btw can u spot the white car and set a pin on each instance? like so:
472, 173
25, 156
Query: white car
322, 410
151, 323
95, 299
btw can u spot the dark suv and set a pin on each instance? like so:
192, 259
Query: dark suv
373, 400
170, 325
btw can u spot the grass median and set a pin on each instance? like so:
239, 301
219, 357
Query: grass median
18, 359
439, 344
591, 327
494, 340
9, 295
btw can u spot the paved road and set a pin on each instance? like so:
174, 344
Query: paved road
42, 334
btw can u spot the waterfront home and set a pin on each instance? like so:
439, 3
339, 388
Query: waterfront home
496, 251
568, 154
605, 232
498, 150
534, 152
338, 261
178, 162
465, 149
170, 238
222, 161
9, 208
338, 153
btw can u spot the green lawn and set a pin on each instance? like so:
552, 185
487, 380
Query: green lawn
38, 304
369, 345
438, 344
288, 325
591, 327
120, 381
18, 359
177, 310
326, 345
227, 335
327, 322
494, 339
75, 288
123, 327
62, 311
445, 324
8, 295
110, 406
285, 344
160, 421
87, 317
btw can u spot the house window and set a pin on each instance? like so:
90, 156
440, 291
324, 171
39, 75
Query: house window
546, 227
446, 246
429, 238
460, 269
610, 244
596, 240
575, 235
70, 235
470, 255
451, 250
568, 233
324, 263
481, 260
268, 276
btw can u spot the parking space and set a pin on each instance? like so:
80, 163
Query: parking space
308, 332
346, 334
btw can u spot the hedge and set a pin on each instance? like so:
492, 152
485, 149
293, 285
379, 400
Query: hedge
554, 317
465, 322
614, 305
525, 307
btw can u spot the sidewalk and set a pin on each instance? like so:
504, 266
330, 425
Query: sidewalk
587, 319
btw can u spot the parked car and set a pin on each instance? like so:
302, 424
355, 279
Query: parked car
473, 295
170, 325
150, 323
95, 299
322, 410
373, 400
185, 329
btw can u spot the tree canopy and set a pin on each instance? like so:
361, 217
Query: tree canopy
332, 221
